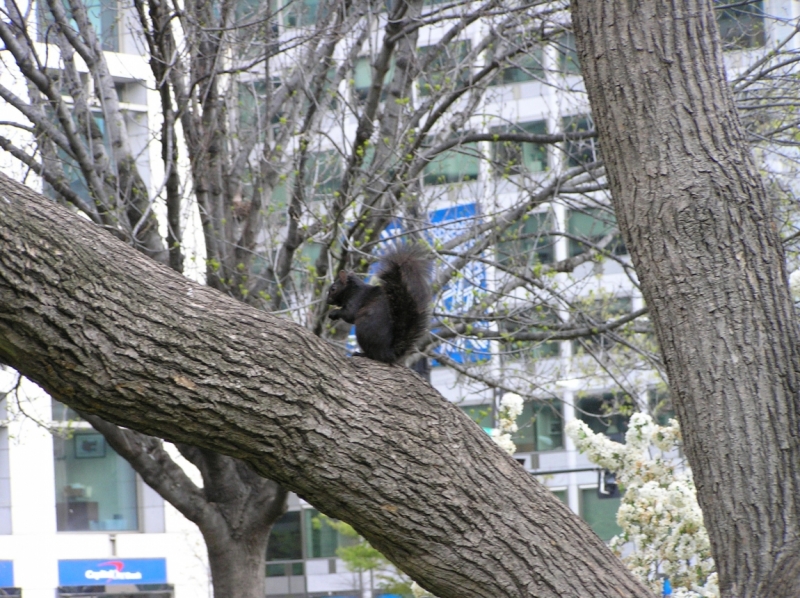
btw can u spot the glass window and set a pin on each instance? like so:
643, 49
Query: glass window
72, 171
322, 539
483, 415
460, 164
592, 224
323, 174
252, 101
302, 13
540, 427
562, 495
285, 568
285, 540
579, 151
525, 66
539, 319
95, 487
330, 95
600, 513
513, 157
568, 55
606, 413
305, 262
660, 404
601, 310
741, 23
446, 70
362, 78
103, 16
527, 242
62, 413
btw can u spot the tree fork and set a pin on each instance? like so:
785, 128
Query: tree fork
107, 331
701, 232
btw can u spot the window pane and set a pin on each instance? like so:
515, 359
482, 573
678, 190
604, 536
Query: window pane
460, 164
72, 172
600, 310
483, 415
600, 513
540, 427
322, 539
579, 151
302, 13
561, 495
446, 70
538, 320
607, 414
102, 16
660, 405
568, 55
285, 541
592, 224
323, 174
525, 66
277, 570
527, 243
95, 487
362, 78
62, 413
512, 157
741, 24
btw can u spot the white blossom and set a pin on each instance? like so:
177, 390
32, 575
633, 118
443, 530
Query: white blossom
504, 441
512, 404
658, 514
510, 409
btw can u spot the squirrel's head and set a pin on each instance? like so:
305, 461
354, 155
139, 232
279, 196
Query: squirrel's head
336, 289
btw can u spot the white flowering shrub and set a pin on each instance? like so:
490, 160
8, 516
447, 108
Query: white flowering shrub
510, 410
659, 514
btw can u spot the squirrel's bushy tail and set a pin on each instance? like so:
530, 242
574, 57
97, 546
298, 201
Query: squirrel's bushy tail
405, 273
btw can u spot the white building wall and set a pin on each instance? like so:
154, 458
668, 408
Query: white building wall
35, 546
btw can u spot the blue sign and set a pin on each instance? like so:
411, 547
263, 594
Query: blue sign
6, 574
111, 571
463, 292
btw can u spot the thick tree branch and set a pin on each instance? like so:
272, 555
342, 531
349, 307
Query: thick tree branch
373, 445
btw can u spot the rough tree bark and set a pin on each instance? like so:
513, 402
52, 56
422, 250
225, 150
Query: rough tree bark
700, 229
108, 332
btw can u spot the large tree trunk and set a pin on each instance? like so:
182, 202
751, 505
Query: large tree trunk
238, 565
107, 331
701, 232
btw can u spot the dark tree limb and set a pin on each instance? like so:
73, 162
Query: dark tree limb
108, 332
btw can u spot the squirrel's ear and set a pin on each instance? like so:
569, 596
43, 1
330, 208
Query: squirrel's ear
343, 276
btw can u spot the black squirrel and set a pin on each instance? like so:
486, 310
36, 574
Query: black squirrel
392, 317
